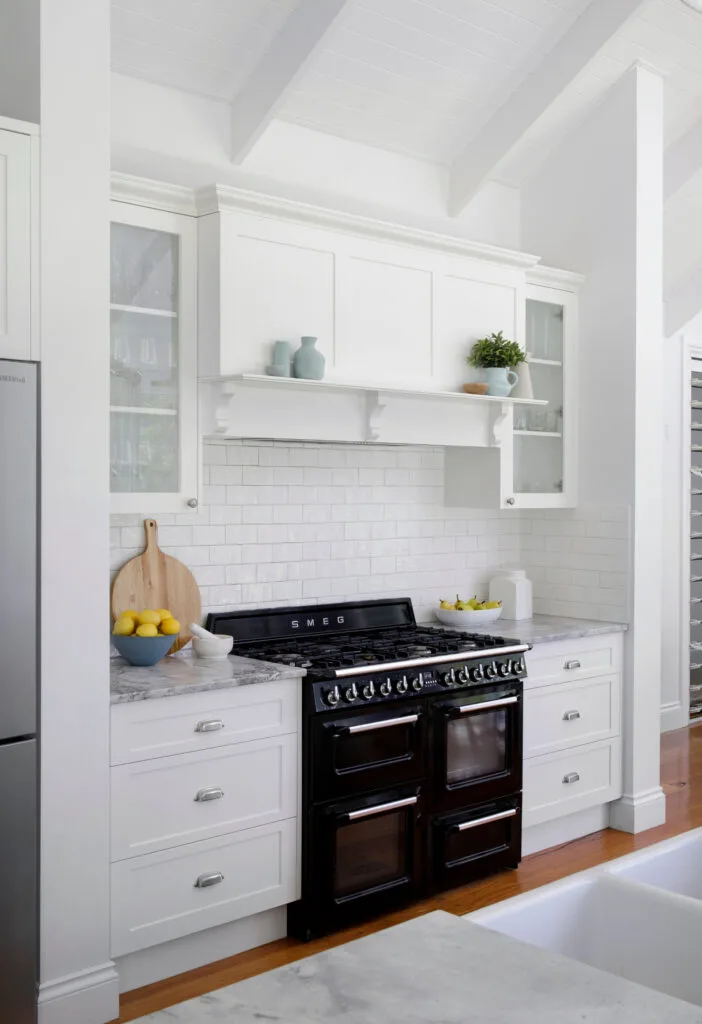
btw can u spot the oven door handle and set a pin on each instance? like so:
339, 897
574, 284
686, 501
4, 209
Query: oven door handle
485, 705
385, 723
477, 822
368, 812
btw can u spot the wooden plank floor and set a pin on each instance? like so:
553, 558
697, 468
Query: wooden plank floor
681, 773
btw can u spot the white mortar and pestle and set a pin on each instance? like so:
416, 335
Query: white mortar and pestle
210, 645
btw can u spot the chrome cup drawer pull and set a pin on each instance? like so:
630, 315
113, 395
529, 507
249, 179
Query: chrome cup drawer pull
571, 665
570, 778
210, 725
571, 716
203, 795
205, 881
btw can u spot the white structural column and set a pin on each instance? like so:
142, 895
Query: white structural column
597, 207
78, 981
279, 70
481, 158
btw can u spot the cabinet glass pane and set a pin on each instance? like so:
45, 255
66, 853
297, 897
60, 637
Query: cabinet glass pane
144, 373
538, 442
696, 541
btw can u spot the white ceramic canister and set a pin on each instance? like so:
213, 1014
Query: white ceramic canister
513, 589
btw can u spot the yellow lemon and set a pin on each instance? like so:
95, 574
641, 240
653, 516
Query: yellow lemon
147, 629
164, 613
130, 612
148, 617
124, 626
170, 626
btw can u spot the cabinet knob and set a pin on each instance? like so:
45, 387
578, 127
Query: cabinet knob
192, 503
509, 501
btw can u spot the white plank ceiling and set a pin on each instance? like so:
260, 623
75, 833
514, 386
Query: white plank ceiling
418, 77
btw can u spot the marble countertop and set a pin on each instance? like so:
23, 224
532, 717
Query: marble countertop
184, 673
436, 969
542, 629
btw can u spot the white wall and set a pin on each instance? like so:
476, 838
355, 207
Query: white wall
78, 983
19, 60
173, 136
597, 207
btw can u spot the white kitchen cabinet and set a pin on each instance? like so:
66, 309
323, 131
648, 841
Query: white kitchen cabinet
572, 727
545, 437
154, 443
18, 249
204, 810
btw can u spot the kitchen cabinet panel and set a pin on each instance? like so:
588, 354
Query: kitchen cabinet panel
174, 800
16, 255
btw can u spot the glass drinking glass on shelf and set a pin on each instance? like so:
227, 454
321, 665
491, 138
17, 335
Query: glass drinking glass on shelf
521, 418
550, 421
537, 419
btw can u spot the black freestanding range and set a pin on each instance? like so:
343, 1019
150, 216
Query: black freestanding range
411, 753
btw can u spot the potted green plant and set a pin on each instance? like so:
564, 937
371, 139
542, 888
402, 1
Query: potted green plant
495, 354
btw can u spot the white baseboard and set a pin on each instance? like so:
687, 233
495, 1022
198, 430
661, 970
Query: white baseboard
639, 812
672, 716
192, 951
564, 830
86, 997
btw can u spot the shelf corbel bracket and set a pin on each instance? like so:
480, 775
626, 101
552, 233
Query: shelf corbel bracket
502, 423
222, 400
374, 414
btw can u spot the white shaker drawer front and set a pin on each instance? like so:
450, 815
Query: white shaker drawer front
166, 895
560, 784
198, 721
173, 800
569, 715
565, 660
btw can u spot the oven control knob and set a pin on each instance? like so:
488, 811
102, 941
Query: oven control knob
386, 688
417, 683
491, 670
518, 665
351, 693
402, 685
463, 676
368, 691
503, 668
332, 697
448, 678
476, 674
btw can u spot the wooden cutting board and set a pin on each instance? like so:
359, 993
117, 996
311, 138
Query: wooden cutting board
154, 580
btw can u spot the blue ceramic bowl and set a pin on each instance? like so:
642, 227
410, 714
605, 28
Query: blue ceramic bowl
143, 650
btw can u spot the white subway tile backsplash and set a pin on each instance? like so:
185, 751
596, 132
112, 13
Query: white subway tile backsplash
287, 523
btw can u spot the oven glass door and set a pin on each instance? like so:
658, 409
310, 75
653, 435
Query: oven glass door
478, 746
366, 858
367, 751
471, 844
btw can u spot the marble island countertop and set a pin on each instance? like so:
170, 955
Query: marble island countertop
436, 969
185, 673
542, 629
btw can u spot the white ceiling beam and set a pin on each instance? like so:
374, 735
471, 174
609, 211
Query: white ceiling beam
278, 72
683, 159
581, 43
683, 301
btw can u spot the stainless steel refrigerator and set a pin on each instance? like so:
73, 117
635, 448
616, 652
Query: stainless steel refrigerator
19, 666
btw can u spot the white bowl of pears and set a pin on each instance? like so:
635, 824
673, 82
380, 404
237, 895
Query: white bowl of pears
468, 613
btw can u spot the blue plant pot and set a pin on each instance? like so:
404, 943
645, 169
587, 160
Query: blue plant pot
500, 380
143, 650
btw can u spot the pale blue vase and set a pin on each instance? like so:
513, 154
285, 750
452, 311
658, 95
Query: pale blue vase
500, 380
308, 363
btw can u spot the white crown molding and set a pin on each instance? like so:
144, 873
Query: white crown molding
11, 124
550, 277
225, 198
159, 195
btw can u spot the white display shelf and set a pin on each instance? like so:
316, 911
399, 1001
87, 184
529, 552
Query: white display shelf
144, 311
142, 411
537, 433
264, 380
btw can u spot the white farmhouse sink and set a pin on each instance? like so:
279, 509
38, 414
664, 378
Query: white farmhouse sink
639, 917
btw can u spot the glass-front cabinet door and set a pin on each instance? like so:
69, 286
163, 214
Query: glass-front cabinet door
153, 361
544, 435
